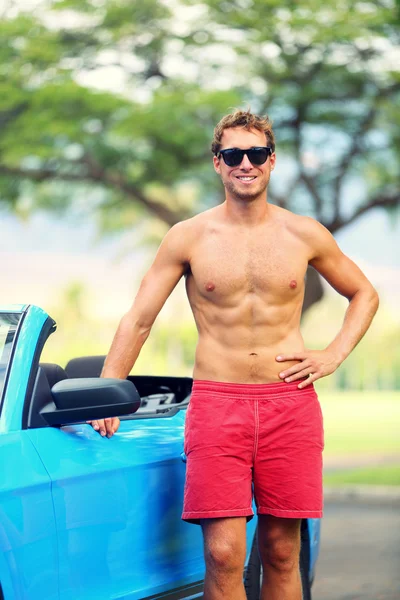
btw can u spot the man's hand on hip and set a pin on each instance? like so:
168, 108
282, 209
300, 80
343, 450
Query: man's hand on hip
312, 364
106, 427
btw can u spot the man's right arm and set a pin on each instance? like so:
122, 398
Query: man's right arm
170, 263
168, 267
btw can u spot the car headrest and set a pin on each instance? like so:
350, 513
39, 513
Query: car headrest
85, 366
53, 372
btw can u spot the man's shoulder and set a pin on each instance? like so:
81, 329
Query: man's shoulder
312, 235
195, 224
301, 226
181, 237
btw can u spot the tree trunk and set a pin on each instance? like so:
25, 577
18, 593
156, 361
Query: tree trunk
314, 290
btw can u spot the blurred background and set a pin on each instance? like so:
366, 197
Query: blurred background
107, 109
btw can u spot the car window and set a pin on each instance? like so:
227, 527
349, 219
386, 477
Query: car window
8, 328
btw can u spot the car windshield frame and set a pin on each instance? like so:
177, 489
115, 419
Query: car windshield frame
9, 326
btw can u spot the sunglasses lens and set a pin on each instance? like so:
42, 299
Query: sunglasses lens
258, 156
233, 157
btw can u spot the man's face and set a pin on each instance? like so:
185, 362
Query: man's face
246, 181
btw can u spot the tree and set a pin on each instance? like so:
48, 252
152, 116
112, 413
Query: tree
324, 72
327, 73
56, 128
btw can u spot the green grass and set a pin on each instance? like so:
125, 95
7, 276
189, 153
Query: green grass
362, 427
361, 423
384, 475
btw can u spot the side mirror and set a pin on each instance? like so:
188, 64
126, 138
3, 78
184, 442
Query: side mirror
86, 399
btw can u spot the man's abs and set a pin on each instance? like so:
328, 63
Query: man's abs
237, 363
241, 333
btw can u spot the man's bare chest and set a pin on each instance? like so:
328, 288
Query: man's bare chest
227, 266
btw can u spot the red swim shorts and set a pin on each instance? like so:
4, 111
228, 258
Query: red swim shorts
244, 439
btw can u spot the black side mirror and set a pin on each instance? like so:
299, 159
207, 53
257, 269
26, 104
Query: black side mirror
77, 400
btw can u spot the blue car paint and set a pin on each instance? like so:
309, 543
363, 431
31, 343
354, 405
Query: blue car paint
28, 541
96, 518
314, 532
25, 346
118, 506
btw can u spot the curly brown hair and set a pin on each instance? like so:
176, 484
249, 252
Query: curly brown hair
245, 119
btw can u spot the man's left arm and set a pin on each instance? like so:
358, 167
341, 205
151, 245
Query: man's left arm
347, 279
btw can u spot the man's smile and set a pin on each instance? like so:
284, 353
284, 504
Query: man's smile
246, 178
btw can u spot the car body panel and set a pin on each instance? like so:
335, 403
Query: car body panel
314, 532
118, 505
28, 540
25, 346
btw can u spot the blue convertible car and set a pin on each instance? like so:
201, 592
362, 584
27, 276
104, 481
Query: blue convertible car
83, 516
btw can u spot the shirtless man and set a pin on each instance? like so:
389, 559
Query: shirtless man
254, 417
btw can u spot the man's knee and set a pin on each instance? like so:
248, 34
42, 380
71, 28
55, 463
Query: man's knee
224, 556
280, 554
279, 546
225, 545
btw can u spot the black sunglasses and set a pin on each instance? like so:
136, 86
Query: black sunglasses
234, 156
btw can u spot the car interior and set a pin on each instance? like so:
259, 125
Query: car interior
161, 396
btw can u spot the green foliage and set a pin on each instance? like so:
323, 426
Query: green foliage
373, 364
382, 475
360, 423
331, 86
78, 332
325, 73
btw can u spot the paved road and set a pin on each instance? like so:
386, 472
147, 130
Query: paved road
360, 553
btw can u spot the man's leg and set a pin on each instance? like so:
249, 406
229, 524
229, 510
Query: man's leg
279, 546
225, 555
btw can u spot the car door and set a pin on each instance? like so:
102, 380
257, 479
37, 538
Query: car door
28, 540
117, 505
